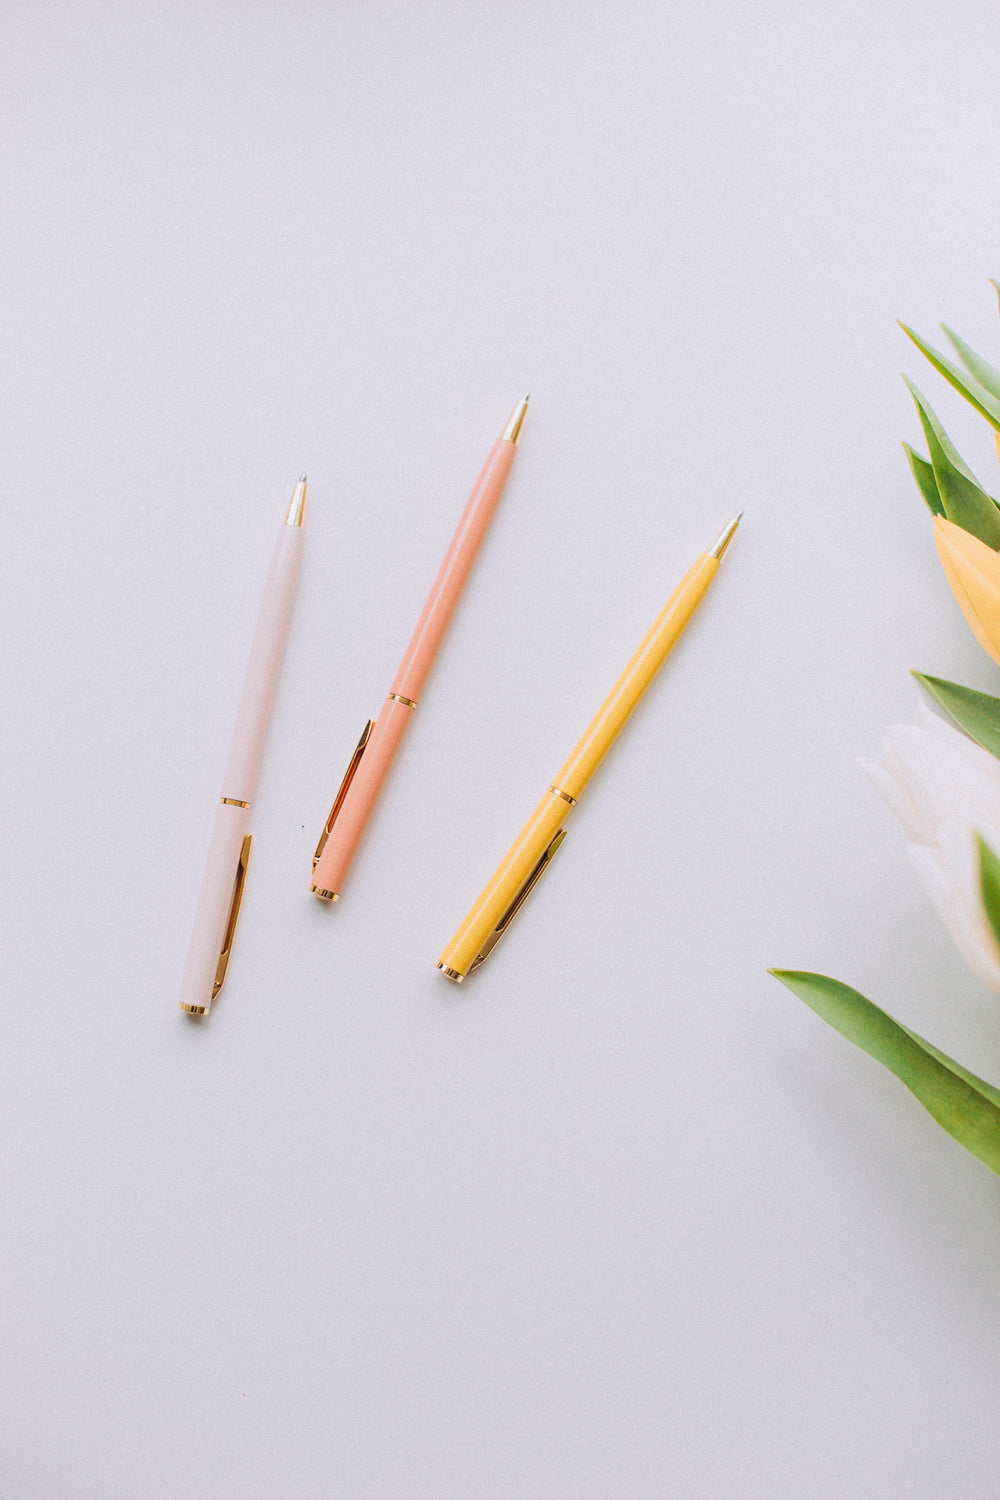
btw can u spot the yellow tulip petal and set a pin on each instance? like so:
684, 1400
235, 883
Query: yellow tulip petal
973, 570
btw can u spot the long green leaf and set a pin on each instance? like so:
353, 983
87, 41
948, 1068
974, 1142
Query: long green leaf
980, 369
962, 1104
977, 713
931, 423
979, 1084
963, 497
976, 394
989, 884
923, 473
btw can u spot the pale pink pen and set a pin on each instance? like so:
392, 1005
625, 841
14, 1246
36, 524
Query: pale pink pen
229, 850
377, 747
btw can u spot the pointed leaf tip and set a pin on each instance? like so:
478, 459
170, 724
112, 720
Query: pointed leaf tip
974, 392
962, 496
964, 1105
923, 473
977, 714
980, 369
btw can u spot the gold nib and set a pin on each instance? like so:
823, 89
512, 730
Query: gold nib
297, 504
725, 537
512, 431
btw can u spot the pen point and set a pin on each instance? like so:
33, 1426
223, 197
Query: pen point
297, 504
516, 421
725, 537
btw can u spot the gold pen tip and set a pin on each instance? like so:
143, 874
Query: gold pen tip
725, 537
515, 422
297, 505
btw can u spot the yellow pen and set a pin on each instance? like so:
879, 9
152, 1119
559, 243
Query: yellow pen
530, 854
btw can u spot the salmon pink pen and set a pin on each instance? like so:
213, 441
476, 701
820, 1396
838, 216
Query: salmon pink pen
381, 739
229, 850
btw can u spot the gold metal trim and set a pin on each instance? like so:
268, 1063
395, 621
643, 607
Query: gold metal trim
297, 505
233, 802
518, 901
564, 795
451, 974
515, 422
193, 1010
234, 912
338, 802
317, 890
725, 537
398, 698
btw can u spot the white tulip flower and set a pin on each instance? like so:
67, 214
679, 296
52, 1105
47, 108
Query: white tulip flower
945, 789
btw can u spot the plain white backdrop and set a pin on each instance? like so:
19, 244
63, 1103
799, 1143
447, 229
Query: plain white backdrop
619, 1219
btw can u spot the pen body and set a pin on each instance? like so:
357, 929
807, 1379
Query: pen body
618, 707
365, 788
454, 572
261, 680
496, 899
219, 883
362, 795
499, 895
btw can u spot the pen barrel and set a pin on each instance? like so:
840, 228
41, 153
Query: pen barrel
362, 795
261, 678
214, 904
624, 697
454, 572
498, 896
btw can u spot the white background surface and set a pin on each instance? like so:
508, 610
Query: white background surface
620, 1218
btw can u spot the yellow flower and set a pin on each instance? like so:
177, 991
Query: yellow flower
973, 570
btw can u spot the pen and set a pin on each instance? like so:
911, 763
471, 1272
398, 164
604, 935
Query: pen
381, 738
229, 850
531, 853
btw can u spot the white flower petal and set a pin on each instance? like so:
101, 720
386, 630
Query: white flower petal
896, 798
944, 774
964, 918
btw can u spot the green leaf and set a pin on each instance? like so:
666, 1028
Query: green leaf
977, 713
963, 497
979, 1084
935, 433
964, 1105
923, 473
989, 884
976, 394
987, 375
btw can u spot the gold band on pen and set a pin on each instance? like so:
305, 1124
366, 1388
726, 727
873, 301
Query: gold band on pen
451, 974
406, 702
564, 795
233, 802
318, 890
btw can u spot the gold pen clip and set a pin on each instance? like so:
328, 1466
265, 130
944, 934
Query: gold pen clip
518, 901
345, 785
234, 911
